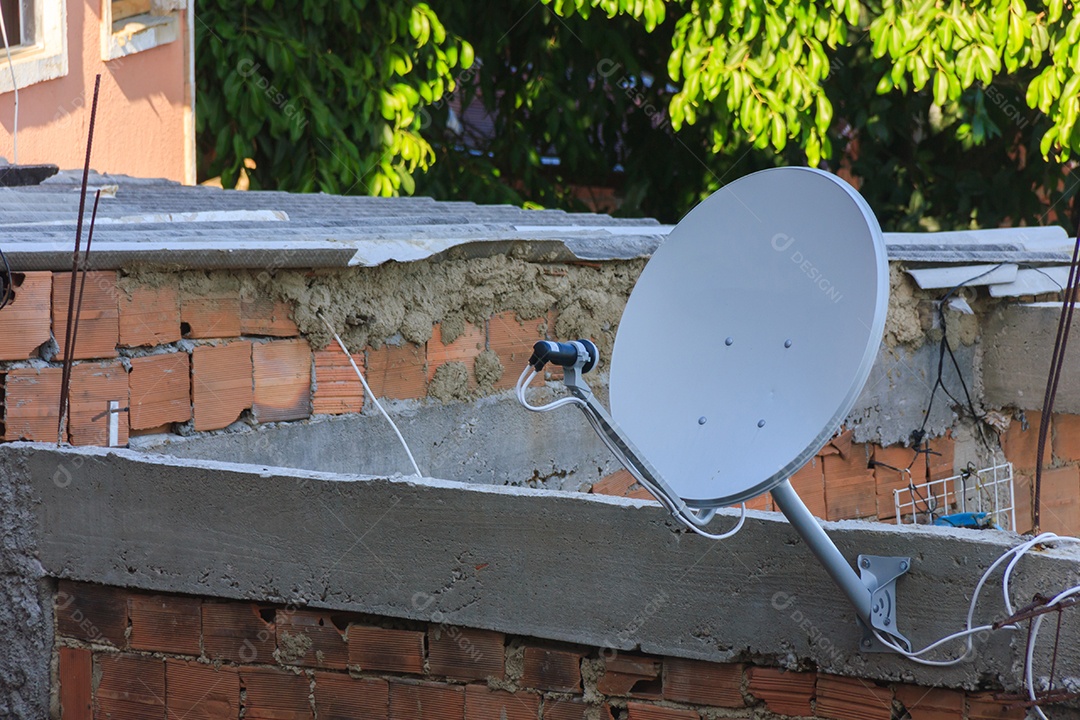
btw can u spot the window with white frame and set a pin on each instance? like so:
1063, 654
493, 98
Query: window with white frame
19, 22
36, 40
131, 26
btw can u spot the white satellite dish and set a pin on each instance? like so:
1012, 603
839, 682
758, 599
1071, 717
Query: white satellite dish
767, 303
744, 345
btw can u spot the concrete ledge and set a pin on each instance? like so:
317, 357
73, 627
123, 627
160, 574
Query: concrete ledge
587, 569
489, 441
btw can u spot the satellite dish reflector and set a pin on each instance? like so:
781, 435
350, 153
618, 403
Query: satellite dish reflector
751, 333
743, 347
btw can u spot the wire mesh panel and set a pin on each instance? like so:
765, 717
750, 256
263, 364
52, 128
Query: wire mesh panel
974, 498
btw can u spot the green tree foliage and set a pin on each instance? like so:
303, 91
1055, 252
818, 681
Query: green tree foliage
321, 94
950, 79
952, 113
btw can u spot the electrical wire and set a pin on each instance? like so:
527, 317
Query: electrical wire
374, 399
943, 349
1016, 554
15, 89
681, 512
523, 383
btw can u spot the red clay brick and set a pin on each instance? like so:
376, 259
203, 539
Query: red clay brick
308, 637
263, 316
238, 632
1060, 500
621, 484
221, 384
150, 315
463, 349
25, 321
340, 697
1022, 446
1066, 438
99, 328
426, 701
76, 682
164, 623
93, 385
210, 315
809, 482
559, 709
761, 502
931, 703
556, 670
1022, 489
849, 485
983, 706
397, 371
633, 675
132, 686
707, 683
275, 695
784, 693
641, 711
337, 389
482, 703
512, 340
159, 389
282, 380
465, 654
31, 402
195, 691
842, 698
376, 648
94, 613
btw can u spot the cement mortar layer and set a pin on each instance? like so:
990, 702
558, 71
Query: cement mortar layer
398, 302
603, 572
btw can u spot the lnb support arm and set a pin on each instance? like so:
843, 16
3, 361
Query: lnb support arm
871, 591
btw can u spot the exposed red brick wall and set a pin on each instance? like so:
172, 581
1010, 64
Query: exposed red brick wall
203, 658
243, 357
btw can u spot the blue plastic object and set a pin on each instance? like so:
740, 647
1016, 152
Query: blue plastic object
975, 521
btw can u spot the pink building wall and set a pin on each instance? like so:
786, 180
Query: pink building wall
143, 125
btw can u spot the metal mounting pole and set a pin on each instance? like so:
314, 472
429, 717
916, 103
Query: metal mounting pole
873, 595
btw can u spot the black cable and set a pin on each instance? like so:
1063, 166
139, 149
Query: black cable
918, 436
7, 283
915, 494
1044, 273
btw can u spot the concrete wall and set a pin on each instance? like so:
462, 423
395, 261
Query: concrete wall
1019, 342
559, 566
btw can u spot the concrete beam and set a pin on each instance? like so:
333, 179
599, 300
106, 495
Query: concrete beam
491, 441
1018, 341
594, 570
